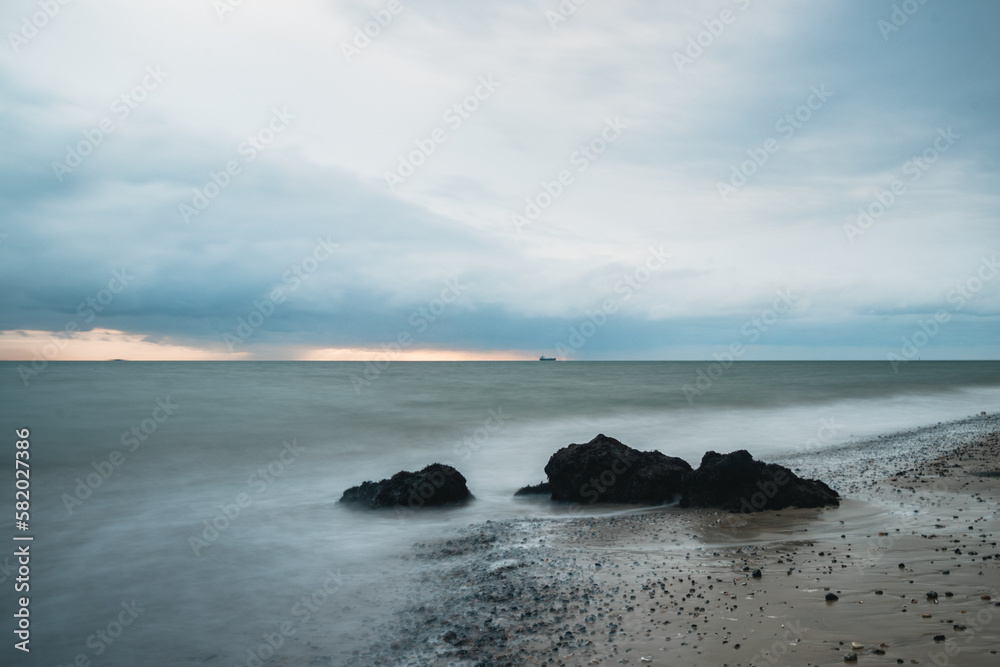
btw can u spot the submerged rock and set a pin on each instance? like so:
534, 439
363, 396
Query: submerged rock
436, 484
739, 484
605, 470
534, 489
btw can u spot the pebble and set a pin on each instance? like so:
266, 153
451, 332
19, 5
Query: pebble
831, 597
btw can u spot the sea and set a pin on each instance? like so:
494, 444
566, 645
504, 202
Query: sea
186, 513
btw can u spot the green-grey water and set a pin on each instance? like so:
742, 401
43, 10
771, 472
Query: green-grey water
206, 492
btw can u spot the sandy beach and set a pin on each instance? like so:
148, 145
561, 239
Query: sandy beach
905, 571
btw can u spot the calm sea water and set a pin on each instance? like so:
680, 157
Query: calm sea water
206, 492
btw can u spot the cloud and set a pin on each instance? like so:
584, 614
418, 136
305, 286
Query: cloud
686, 129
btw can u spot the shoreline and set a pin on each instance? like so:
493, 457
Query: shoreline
672, 586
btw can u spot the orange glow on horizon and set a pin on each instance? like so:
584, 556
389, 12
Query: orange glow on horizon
377, 354
98, 345
107, 344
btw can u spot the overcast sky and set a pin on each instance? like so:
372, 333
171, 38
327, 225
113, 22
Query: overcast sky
632, 180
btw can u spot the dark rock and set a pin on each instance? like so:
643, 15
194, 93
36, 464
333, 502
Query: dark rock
605, 470
939, 638
831, 597
533, 489
756, 574
739, 484
851, 657
436, 484
931, 595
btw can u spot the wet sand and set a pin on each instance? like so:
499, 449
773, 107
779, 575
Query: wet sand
911, 557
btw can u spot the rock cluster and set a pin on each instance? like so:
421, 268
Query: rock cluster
605, 470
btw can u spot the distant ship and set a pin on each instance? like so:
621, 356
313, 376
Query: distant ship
544, 358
